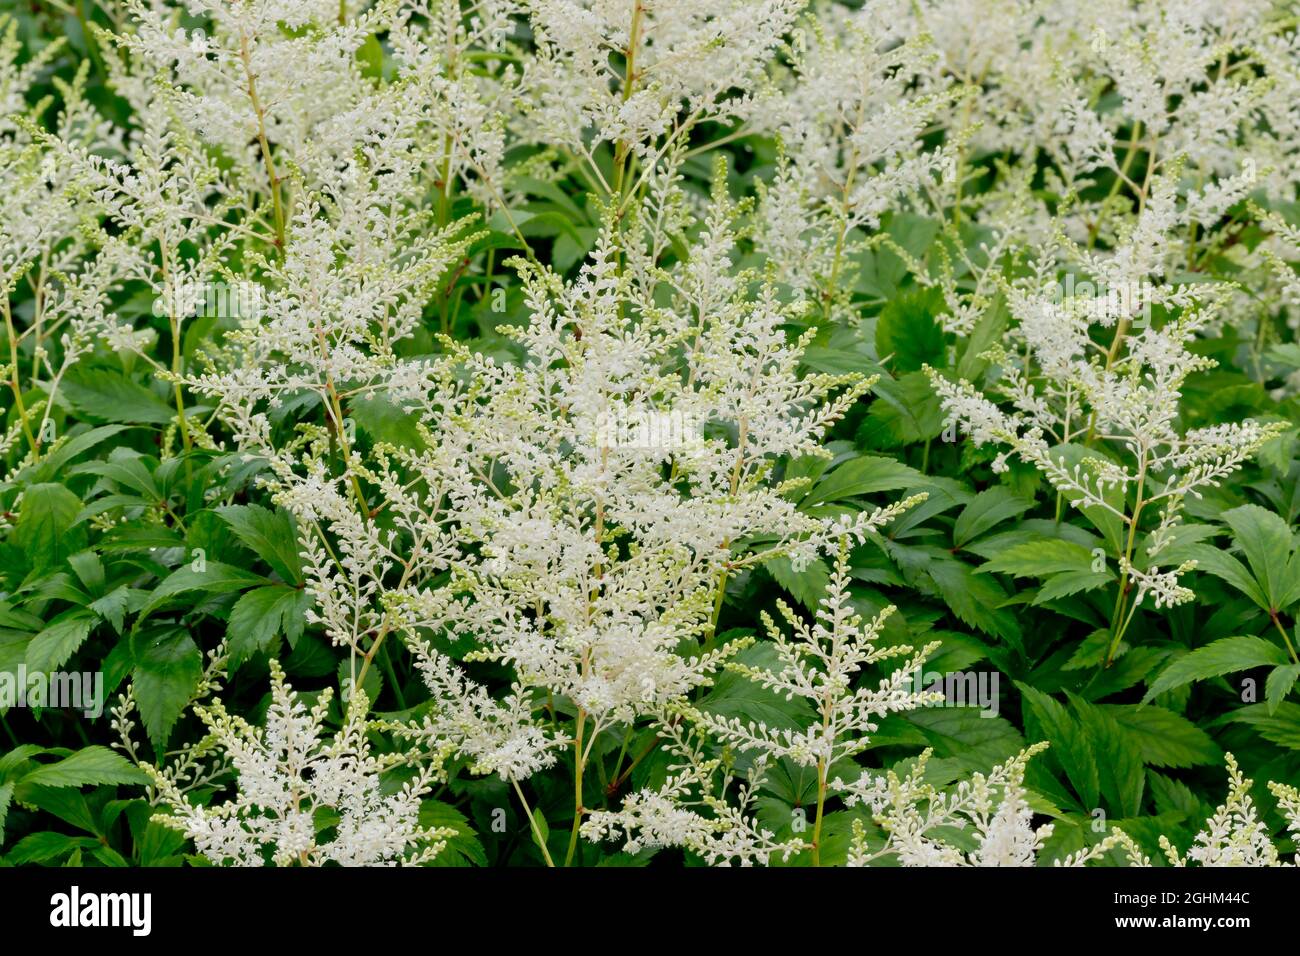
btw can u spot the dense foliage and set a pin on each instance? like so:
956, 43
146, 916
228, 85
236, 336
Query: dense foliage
614, 432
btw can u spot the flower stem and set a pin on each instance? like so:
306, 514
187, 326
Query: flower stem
537, 832
579, 764
821, 807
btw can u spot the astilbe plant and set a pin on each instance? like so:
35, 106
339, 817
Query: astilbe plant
67, 262
819, 665
1094, 384
547, 510
683, 64
850, 117
295, 783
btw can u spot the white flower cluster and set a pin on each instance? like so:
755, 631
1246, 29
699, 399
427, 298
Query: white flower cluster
48, 243
1100, 415
913, 816
640, 74
580, 562
987, 821
820, 666
302, 798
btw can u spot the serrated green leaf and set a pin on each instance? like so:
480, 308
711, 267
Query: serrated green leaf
1224, 656
271, 535
734, 695
908, 331
975, 599
1280, 681
967, 735
52, 647
1070, 582
1280, 726
101, 394
46, 846
1041, 558
215, 578
44, 530
1164, 738
90, 766
1266, 540
462, 849
56, 460
906, 410
863, 476
988, 509
1070, 747
1218, 562
808, 586
168, 667
260, 615
1118, 760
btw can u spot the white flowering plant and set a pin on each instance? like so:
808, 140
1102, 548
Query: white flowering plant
596, 432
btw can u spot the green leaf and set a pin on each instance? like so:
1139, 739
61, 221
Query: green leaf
1070, 747
1164, 738
989, 508
1119, 764
734, 695
16, 758
103, 394
1281, 726
1218, 562
990, 329
1280, 681
44, 530
6, 797
215, 578
808, 586
968, 735
908, 330
1071, 456
129, 469
370, 55
384, 421
90, 766
66, 803
463, 849
1224, 656
1174, 796
261, 614
46, 846
1092, 651
168, 667
89, 569
1041, 558
906, 409
271, 535
57, 459
52, 647
864, 476
114, 605
1071, 582
975, 599
1266, 540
